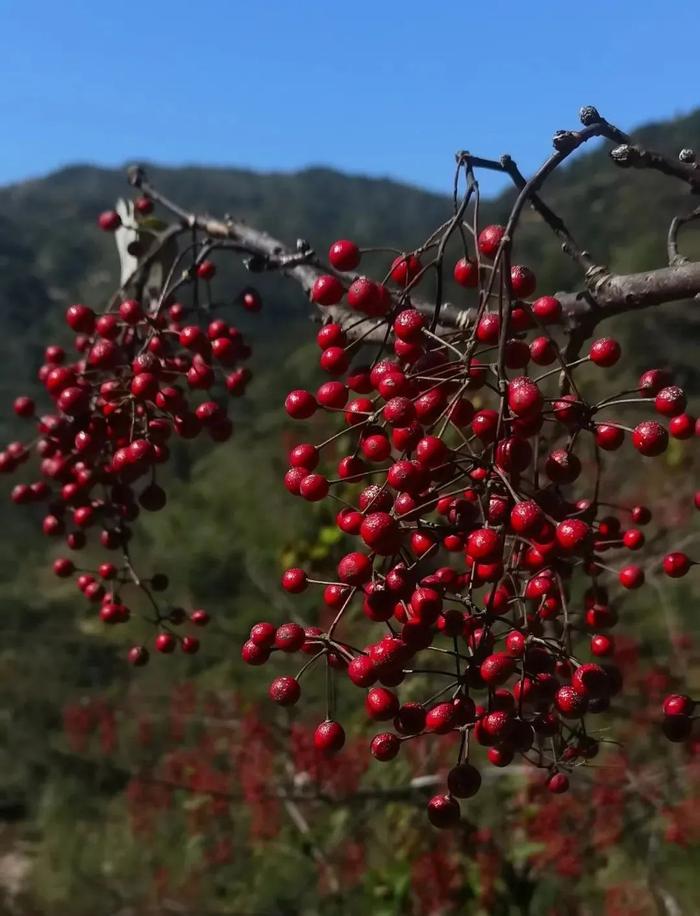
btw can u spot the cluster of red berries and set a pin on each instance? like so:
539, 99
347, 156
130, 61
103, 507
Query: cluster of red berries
474, 489
142, 373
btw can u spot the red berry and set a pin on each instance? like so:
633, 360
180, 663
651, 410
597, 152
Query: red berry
524, 397
409, 324
605, 352
294, 580
682, 426
443, 811
334, 360
633, 539
558, 783
641, 515
570, 702
562, 466
332, 394
253, 654
381, 704
385, 746
515, 643
364, 296
484, 544
329, 738
189, 645
206, 270
497, 668
143, 205
464, 780
590, 680
344, 255
289, 637
609, 437
327, 290
547, 309
331, 335
24, 407
355, 569
489, 240
631, 577
109, 221
251, 300
670, 401
441, 718
304, 456
573, 534
676, 564
466, 273
381, 533
300, 404
602, 645
314, 487
652, 381
165, 643
522, 281
405, 268
677, 704
138, 656
130, 311
650, 438
285, 691
361, 671
63, 567
263, 634
526, 517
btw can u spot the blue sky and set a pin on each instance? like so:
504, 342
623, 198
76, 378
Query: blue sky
382, 88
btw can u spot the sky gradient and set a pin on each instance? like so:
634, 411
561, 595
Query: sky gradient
381, 88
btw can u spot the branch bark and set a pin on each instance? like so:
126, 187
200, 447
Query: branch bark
605, 294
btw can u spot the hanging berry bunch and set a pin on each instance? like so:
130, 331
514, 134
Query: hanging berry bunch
472, 482
145, 370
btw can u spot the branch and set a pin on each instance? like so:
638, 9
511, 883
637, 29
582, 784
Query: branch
677, 223
605, 295
615, 294
627, 156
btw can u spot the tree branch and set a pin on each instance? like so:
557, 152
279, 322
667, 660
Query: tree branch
627, 156
605, 294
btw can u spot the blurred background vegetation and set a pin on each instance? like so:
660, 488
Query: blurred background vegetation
68, 842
